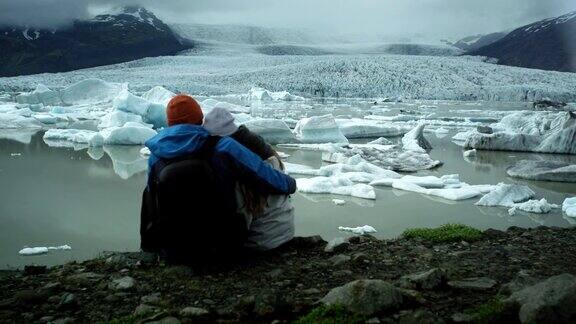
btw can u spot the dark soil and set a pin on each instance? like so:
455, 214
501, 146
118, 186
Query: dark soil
283, 285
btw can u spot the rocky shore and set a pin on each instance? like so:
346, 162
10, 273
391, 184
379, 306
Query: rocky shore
521, 275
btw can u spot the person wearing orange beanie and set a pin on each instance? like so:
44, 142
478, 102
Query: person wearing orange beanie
183, 109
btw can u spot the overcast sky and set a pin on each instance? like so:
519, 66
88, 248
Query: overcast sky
394, 18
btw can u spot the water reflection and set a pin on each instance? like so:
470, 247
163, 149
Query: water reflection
126, 160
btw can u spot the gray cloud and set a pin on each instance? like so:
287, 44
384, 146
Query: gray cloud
392, 18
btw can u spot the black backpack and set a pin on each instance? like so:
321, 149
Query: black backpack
184, 217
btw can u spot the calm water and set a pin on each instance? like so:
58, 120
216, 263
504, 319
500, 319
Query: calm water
90, 199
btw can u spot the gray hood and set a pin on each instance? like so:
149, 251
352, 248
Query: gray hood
220, 122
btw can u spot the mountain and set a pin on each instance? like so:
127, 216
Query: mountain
475, 42
124, 35
549, 44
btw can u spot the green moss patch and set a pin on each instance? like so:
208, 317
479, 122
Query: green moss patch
445, 234
330, 315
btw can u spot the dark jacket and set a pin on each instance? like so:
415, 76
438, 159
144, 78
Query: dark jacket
253, 142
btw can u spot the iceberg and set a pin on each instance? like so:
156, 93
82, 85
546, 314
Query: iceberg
569, 207
337, 185
261, 94
28, 251
506, 195
129, 134
319, 129
158, 95
362, 128
415, 141
543, 171
361, 230
274, 131
81, 136
151, 113
533, 206
17, 121
118, 118
87, 91
542, 132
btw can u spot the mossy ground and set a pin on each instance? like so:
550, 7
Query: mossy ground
330, 315
445, 234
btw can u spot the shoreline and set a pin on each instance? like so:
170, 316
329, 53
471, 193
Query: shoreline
434, 278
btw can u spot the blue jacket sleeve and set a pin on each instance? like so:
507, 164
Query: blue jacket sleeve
252, 171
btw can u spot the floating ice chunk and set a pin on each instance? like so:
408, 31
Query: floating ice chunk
91, 91
274, 131
42, 94
381, 141
470, 153
319, 129
82, 136
294, 168
533, 206
361, 230
259, 94
337, 185
442, 130
42, 250
506, 195
232, 107
158, 95
129, 134
145, 151
361, 128
118, 118
18, 121
531, 132
127, 102
415, 141
339, 202
262, 94
569, 207
282, 155
543, 171
242, 118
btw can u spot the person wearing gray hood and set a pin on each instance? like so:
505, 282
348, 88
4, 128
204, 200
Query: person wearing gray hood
270, 219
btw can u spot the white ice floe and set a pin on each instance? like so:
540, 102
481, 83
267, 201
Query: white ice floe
13, 121
339, 202
470, 153
361, 128
145, 151
415, 141
118, 118
569, 207
129, 134
210, 103
274, 131
87, 91
506, 195
381, 141
158, 95
542, 131
533, 206
151, 113
28, 251
23, 135
337, 185
361, 230
319, 129
543, 171
81, 136
262, 94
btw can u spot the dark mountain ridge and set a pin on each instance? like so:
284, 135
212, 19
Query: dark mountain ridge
548, 44
128, 34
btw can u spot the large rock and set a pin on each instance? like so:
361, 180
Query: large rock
429, 279
365, 297
480, 283
123, 283
550, 301
543, 171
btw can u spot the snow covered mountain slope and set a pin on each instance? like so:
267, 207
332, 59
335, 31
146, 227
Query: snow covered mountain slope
475, 42
123, 35
393, 76
549, 44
